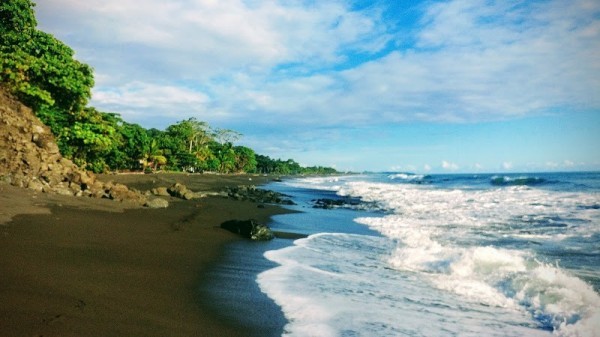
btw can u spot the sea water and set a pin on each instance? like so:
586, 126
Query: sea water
441, 255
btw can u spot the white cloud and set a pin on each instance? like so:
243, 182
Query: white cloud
472, 60
426, 167
298, 65
507, 165
449, 166
144, 95
138, 101
482, 61
204, 39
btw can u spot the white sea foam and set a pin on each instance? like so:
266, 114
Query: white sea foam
443, 266
429, 225
406, 176
341, 285
318, 183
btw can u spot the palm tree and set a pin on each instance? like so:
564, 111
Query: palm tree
154, 159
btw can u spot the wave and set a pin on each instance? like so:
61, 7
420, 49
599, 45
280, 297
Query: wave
334, 284
454, 237
408, 177
493, 249
497, 277
517, 181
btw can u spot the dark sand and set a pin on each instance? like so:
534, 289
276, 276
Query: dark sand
86, 267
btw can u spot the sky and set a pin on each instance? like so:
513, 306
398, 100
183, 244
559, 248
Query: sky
396, 85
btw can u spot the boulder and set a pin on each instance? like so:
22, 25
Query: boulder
249, 229
253, 194
157, 203
62, 189
122, 193
181, 191
160, 191
326, 203
35, 185
118, 192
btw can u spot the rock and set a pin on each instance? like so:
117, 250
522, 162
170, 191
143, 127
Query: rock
44, 140
61, 189
249, 229
181, 191
157, 203
189, 195
122, 193
97, 190
35, 185
326, 203
177, 190
52, 178
118, 192
160, 191
76, 188
253, 194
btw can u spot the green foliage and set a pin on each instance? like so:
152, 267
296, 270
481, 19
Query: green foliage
245, 159
17, 15
225, 154
264, 164
91, 138
36, 66
134, 146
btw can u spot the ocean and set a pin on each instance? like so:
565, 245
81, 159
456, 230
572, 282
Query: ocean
401, 254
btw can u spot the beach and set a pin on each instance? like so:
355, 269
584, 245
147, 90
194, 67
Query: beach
93, 267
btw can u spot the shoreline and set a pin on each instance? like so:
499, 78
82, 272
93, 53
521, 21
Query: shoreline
91, 267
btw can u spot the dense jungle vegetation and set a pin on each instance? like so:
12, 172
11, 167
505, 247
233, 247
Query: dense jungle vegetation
43, 73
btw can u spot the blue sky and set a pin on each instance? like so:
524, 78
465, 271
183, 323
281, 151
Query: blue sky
422, 86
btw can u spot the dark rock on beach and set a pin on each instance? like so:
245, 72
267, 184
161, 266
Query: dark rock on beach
334, 203
249, 229
253, 194
181, 191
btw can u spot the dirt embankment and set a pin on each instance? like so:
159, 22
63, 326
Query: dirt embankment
30, 158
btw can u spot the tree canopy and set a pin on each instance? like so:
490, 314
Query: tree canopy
37, 67
43, 73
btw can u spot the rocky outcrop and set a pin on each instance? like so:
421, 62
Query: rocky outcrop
30, 158
249, 229
253, 194
160, 191
181, 191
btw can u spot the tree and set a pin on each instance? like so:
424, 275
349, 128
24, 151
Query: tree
154, 158
225, 136
17, 16
36, 66
135, 145
91, 137
200, 134
224, 157
245, 159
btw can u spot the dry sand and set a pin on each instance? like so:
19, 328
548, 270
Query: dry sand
84, 267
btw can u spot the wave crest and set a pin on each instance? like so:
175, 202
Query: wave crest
517, 181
